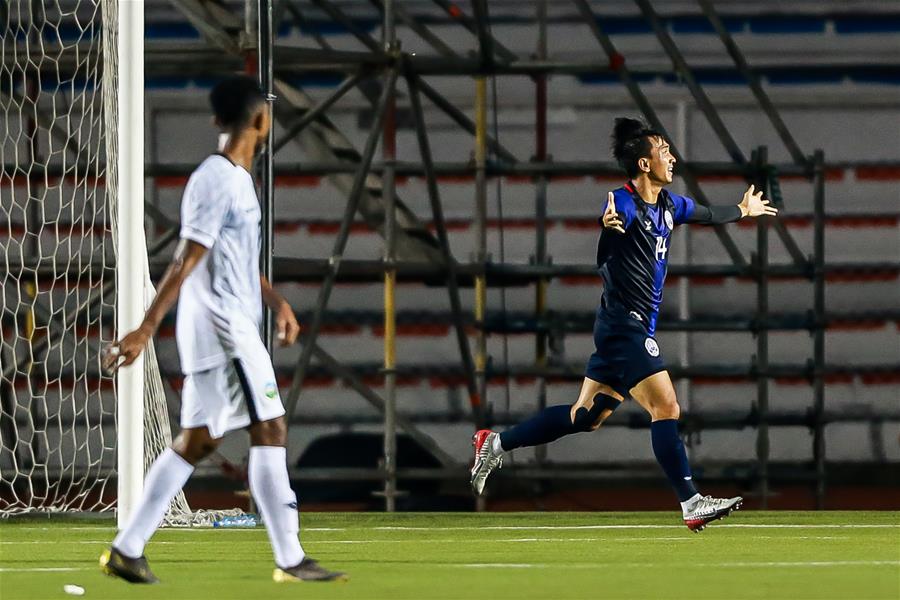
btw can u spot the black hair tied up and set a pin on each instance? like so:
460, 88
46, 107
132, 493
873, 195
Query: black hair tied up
630, 143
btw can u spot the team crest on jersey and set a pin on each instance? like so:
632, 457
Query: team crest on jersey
651, 346
670, 222
271, 390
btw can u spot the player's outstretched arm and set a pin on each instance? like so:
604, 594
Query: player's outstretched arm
126, 350
285, 320
751, 205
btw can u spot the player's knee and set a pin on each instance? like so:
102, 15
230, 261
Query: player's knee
269, 433
204, 450
584, 419
670, 409
193, 448
590, 419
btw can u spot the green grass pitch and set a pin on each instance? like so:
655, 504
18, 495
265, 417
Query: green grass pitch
794, 555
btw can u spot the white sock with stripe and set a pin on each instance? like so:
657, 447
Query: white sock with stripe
165, 478
271, 489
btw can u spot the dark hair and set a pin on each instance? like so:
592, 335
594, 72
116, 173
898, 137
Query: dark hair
235, 99
630, 142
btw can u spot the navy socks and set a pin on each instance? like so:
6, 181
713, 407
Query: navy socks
671, 455
550, 424
555, 422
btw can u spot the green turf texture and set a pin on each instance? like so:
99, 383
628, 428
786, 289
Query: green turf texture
490, 556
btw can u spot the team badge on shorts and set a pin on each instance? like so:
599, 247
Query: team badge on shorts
271, 390
670, 222
652, 347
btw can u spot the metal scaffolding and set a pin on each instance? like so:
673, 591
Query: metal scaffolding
493, 59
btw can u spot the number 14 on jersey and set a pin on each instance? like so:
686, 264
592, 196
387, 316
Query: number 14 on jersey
661, 248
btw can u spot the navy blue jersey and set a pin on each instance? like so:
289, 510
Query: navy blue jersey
633, 264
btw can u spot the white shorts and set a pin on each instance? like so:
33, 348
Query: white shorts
231, 396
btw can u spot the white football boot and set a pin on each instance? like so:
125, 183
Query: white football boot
707, 509
486, 459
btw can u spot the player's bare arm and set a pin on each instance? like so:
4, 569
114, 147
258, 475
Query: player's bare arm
285, 319
229, 381
126, 350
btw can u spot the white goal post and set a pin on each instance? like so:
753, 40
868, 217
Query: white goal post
74, 272
132, 250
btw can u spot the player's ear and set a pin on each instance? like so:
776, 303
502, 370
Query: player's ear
644, 164
259, 119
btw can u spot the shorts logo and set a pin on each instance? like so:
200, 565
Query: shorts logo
651, 346
271, 390
670, 222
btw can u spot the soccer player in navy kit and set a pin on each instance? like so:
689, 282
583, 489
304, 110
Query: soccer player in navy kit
632, 256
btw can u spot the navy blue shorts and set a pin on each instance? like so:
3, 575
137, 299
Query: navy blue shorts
625, 354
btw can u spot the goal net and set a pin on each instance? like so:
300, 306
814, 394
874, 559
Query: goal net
58, 198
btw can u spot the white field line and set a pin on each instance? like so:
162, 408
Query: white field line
490, 527
562, 566
815, 563
43, 569
204, 528
588, 527
401, 541
684, 538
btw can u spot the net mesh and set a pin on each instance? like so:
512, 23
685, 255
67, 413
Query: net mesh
57, 243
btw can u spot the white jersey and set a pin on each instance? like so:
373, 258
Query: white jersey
220, 305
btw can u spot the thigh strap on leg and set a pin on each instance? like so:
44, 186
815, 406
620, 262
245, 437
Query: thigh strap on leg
585, 419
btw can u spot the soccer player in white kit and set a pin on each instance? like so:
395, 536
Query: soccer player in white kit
229, 380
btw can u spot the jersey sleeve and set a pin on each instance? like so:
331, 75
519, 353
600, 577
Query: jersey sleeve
624, 207
204, 209
715, 215
684, 208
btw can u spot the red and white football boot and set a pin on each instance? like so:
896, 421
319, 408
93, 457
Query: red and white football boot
486, 459
707, 509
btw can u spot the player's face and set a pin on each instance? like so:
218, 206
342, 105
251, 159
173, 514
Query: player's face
662, 162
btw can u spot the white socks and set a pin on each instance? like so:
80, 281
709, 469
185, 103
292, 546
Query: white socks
689, 504
277, 503
496, 447
165, 478
269, 485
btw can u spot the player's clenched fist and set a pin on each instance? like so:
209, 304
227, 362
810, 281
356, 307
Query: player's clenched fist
125, 351
287, 325
611, 219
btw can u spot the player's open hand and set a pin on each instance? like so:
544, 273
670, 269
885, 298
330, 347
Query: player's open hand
286, 324
125, 351
611, 219
753, 205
